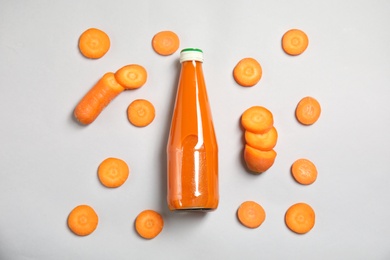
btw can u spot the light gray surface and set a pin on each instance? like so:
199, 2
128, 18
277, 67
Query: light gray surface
48, 162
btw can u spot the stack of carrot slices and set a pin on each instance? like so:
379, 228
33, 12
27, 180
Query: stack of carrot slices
260, 138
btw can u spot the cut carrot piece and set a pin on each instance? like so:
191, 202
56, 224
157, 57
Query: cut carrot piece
165, 43
258, 161
308, 111
141, 112
257, 119
94, 43
264, 142
131, 76
92, 104
300, 218
295, 42
304, 171
149, 224
113, 172
83, 220
247, 72
251, 214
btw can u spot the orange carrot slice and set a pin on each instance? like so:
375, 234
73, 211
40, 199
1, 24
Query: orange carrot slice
149, 224
264, 142
141, 112
131, 76
247, 72
251, 214
300, 218
257, 119
258, 161
308, 111
165, 43
295, 42
113, 172
304, 171
83, 220
93, 103
94, 43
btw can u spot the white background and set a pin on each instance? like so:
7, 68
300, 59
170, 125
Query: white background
48, 162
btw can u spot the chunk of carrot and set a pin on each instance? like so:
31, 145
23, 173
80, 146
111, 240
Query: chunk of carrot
258, 161
251, 214
83, 220
165, 43
257, 119
149, 224
92, 104
300, 218
141, 112
304, 171
264, 142
295, 42
247, 72
131, 76
113, 172
308, 111
94, 43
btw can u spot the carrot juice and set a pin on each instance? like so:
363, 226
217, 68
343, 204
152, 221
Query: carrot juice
192, 150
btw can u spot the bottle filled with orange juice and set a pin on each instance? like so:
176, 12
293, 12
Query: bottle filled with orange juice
192, 149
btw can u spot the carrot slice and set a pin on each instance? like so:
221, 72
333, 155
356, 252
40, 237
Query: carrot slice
251, 214
247, 72
92, 104
264, 142
257, 119
304, 171
141, 112
113, 172
295, 42
131, 76
308, 111
165, 43
149, 224
258, 161
94, 43
83, 220
300, 218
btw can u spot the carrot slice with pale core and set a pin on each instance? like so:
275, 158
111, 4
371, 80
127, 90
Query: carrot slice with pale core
83, 220
113, 172
165, 43
251, 214
149, 224
94, 43
300, 218
247, 72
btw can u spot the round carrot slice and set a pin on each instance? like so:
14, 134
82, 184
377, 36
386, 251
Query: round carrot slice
141, 112
304, 171
308, 111
265, 142
131, 76
257, 119
258, 161
247, 72
83, 220
251, 214
165, 43
295, 42
149, 224
300, 218
94, 43
113, 172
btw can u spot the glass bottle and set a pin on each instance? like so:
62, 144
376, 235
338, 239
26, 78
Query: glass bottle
192, 150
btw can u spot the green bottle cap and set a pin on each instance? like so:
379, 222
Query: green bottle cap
191, 54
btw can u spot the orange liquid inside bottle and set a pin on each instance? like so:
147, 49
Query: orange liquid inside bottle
192, 148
